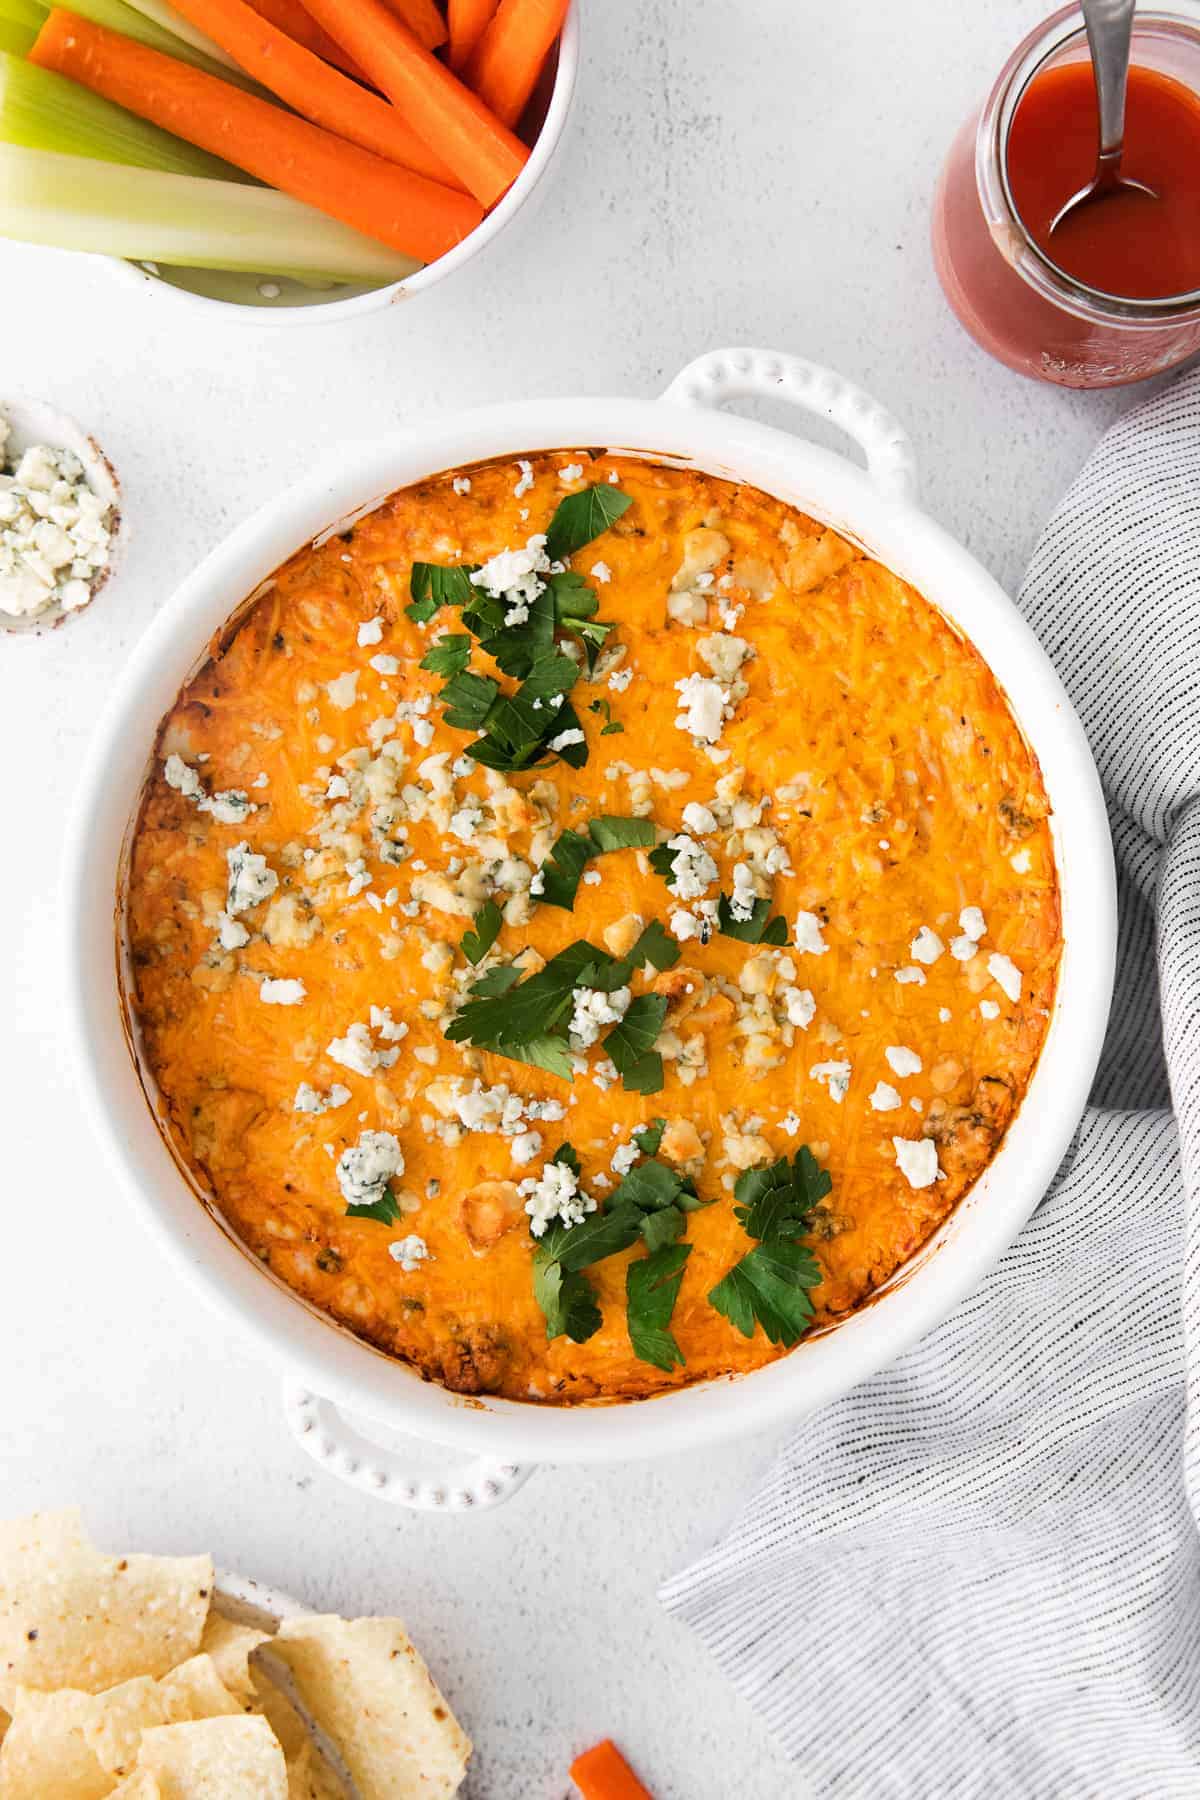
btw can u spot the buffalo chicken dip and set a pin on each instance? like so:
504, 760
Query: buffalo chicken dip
589, 925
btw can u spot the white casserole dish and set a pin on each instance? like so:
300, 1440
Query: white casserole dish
328, 1367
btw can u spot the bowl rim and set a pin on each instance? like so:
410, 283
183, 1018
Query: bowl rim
323, 312
968, 1244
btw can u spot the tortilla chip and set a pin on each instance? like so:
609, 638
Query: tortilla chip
72, 1618
230, 1645
115, 1721
141, 1785
279, 1713
44, 1751
195, 1691
309, 1777
364, 1684
216, 1759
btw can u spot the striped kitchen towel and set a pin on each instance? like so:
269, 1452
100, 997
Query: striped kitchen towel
979, 1574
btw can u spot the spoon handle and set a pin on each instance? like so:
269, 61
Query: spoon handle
1109, 30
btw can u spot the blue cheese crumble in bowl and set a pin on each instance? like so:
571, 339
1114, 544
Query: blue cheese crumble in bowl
59, 516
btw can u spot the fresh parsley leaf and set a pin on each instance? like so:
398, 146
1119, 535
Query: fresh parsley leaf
497, 981
575, 606
477, 943
517, 647
654, 945
384, 1211
545, 1051
532, 1011
433, 586
550, 676
601, 1234
629, 1044
661, 860
610, 725
759, 928
770, 1287
468, 700
651, 1290
650, 1186
583, 516
562, 872
449, 656
771, 1284
574, 755
650, 1137
568, 1155
568, 1301
663, 1227
520, 724
779, 1201
574, 600
609, 832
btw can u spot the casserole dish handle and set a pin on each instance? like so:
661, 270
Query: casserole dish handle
323, 1434
725, 375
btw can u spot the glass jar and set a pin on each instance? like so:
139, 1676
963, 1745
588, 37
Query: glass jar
1015, 302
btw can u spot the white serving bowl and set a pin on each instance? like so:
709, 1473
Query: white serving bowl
875, 507
32, 422
241, 296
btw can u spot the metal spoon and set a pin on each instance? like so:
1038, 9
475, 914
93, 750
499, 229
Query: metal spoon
1109, 30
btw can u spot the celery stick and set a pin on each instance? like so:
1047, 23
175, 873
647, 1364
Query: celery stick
15, 40
41, 110
28, 13
73, 203
20, 22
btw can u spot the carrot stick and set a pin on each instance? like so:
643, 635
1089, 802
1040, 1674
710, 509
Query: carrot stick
309, 85
467, 19
379, 198
289, 16
484, 154
423, 20
602, 1773
508, 57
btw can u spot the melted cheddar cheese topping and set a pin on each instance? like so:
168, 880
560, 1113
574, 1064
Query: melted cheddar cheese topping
314, 843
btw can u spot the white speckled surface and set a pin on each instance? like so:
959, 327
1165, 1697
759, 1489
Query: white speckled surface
719, 187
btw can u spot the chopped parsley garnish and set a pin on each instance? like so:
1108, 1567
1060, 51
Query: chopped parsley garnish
527, 1020
582, 517
468, 699
654, 945
433, 586
384, 1211
650, 1203
563, 871
759, 928
449, 656
567, 1299
520, 729
630, 1044
605, 711
771, 1284
650, 1137
477, 943
651, 1290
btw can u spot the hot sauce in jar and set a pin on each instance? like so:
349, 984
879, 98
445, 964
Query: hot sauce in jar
1114, 294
